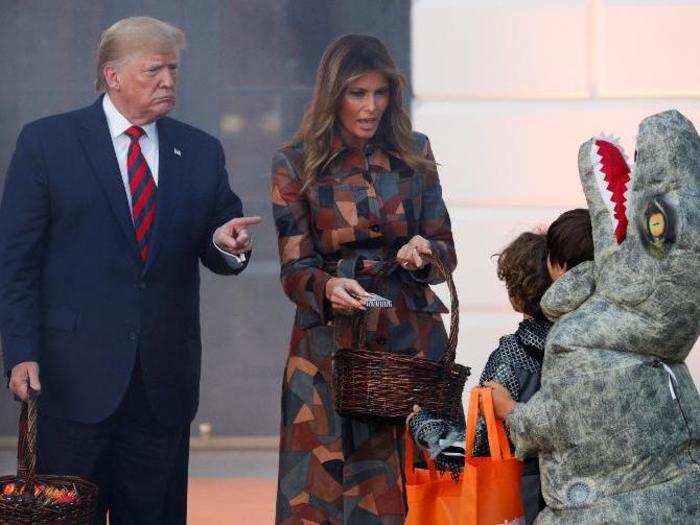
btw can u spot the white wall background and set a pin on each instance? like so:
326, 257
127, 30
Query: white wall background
508, 90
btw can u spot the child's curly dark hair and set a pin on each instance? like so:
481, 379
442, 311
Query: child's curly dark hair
522, 265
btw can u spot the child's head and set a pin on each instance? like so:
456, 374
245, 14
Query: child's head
522, 266
569, 242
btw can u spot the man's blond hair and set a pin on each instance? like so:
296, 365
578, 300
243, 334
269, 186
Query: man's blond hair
130, 36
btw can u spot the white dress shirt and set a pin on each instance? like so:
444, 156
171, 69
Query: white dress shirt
118, 124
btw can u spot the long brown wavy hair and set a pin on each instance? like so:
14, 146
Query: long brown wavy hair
344, 61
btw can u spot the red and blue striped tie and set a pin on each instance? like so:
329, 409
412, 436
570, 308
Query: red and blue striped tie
143, 191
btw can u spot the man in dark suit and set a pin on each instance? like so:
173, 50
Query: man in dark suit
105, 216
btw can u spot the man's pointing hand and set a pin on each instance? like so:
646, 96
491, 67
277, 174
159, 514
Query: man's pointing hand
233, 237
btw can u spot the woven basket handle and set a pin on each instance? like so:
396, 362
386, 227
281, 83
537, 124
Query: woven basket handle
359, 325
26, 446
451, 353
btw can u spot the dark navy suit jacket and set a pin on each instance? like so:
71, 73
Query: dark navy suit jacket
73, 293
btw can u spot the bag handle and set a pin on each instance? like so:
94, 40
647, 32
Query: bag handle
495, 427
499, 446
409, 468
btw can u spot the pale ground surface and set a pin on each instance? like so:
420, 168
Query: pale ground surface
236, 487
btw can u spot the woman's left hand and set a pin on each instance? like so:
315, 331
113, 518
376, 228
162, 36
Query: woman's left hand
503, 403
411, 255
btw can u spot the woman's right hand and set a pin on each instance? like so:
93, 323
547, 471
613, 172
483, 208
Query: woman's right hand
345, 294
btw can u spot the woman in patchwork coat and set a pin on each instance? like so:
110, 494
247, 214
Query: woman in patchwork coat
356, 189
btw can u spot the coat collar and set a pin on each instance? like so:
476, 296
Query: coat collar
378, 150
95, 137
533, 331
338, 145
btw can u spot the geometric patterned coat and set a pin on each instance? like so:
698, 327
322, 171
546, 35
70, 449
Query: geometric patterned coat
616, 422
361, 207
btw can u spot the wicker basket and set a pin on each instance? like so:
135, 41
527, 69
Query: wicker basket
385, 386
25, 509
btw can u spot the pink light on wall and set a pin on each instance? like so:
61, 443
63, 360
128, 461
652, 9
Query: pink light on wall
507, 92
649, 51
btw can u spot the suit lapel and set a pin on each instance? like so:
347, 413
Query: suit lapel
95, 138
170, 169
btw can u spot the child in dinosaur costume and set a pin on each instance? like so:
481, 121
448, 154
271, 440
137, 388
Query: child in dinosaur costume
616, 422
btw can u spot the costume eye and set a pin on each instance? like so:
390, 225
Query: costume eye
658, 225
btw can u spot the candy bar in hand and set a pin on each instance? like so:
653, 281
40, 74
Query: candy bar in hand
377, 301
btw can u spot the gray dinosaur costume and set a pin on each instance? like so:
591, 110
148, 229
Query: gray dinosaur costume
616, 422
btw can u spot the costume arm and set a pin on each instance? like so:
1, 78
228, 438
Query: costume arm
24, 223
303, 280
532, 426
228, 206
569, 292
434, 223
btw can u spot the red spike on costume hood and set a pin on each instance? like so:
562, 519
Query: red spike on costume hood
617, 175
